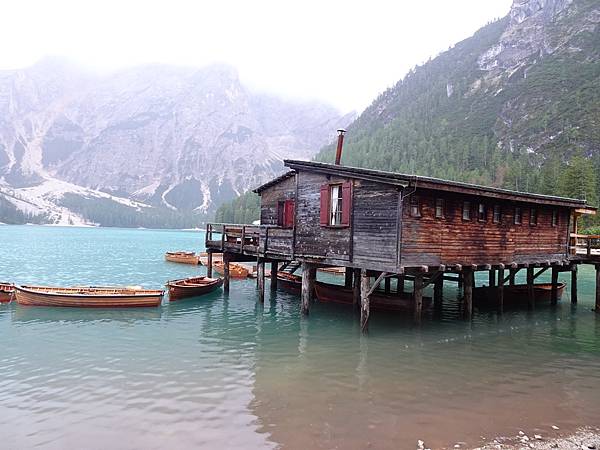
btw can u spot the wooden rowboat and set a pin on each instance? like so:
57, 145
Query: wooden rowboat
183, 257
235, 270
88, 297
192, 287
289, 282
516, 295
7, 292
379, 301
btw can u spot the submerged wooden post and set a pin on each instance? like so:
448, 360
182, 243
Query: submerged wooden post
274, 269
492, 277
226, 272
388, 285
260, 278
400, 286
461, 281
348, 279
438, 291
209, 263
418, 296
511, 278
365, 286
468, 296
530, 289
574, 283
597, 308
308, 286
356, 288
554, 291
500, 290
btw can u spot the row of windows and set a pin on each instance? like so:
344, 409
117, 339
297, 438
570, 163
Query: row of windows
480, 212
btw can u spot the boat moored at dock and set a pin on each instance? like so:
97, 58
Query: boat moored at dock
88, 297
183, 257
192, 287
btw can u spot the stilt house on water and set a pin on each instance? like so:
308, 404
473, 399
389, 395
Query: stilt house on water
382, 225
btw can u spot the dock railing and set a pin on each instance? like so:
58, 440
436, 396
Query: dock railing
585, 244
249, 239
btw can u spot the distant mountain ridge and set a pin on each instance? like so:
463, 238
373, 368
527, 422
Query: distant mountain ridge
77, 147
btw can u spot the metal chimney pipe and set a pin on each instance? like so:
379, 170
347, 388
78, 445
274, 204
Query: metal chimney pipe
338, 152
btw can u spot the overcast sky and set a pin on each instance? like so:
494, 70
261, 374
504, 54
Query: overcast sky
339, 51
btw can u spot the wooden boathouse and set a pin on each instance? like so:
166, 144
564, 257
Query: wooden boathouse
384, 225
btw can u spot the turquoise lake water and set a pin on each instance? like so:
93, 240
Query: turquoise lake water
223, 371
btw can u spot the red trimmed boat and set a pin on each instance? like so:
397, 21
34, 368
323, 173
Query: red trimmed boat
7, 292
516, 295
379, 301
88, 297
192, 287
289, 282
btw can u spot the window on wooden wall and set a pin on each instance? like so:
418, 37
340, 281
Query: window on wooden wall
497, 216
415, 206
336, 203
481, 212
285, 213
440, 208
466, 212
533, 216
518, 215
554, 218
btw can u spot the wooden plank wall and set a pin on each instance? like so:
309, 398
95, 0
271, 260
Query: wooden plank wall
270, 197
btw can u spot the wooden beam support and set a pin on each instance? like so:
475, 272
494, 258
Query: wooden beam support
274, 270
388, 285
260, 279
308, 285
356, 288
492, 277
530, 289
365, 292
209, 265
418, 297
540, 272
574, 284
512, 273
348, 277
226, 276
501, 290
468, 295
438, 291
400, 286
377, 281
597, 308
554, 291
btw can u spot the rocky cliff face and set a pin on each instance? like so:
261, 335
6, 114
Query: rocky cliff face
177, 138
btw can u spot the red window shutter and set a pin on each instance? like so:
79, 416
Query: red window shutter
290, 206
346, 202
325, 204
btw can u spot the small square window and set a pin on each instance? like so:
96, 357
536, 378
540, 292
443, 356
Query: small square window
497, 218
466, 213
415, 206
439, 208
533, 216
554, 218
518, 216
481, 212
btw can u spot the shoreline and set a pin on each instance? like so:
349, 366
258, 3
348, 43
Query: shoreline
582, 438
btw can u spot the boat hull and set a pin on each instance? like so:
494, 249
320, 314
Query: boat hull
235, 270
289, 282
192, 287
7, 292
86, 298
326, 292
516, 295
182, 258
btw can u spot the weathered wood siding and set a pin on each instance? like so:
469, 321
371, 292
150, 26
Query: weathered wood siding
312, 239
271, 196
427, 240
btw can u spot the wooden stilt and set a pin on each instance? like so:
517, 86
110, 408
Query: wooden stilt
597, 309
308, 286
468, 295
418, 297
461, 282
365, 286
511, 276
574, 283
226, 272
209, 264
274, 269
500, 291
348, 279
356, 279
388, 285
400, 286
554, 291
438, 290
530, 290
492, 277
260, 278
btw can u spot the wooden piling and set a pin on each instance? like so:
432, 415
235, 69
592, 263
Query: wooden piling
308, 286
500, 291
492, 278
530, 288
209, 264
460, 281
400, 286
388, 285
554, 291
512, 273
468, 295
226, 276
418, 297
348, 279
574, 284
365, 286
597, 308
438, 291
274, 270
260, 278
356, 280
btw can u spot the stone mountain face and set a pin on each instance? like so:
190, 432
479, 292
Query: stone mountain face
182, 139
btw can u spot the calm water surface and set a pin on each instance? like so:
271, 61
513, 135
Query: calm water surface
225, 372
